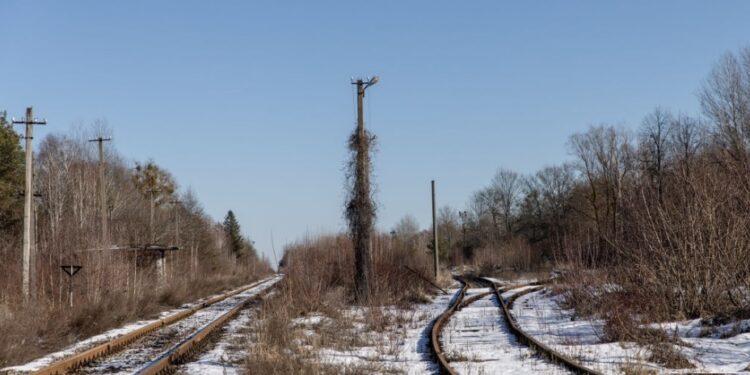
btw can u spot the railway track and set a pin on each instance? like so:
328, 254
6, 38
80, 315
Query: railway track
511, 329
157, 347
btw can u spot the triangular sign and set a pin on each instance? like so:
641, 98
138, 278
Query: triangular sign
71, 270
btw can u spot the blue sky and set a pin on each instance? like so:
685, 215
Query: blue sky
249, 103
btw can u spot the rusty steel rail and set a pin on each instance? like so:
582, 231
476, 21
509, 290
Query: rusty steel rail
437, 327
75, 361
472, 299
529, 340
435, 346
165, 363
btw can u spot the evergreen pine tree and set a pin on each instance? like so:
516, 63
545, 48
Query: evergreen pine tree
11, 176
232, 229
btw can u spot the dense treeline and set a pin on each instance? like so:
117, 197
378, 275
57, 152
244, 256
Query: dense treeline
662, 211
125, 282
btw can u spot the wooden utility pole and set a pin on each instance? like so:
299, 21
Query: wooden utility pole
28, 247
102, 191
361, 210
464, 246
434, 231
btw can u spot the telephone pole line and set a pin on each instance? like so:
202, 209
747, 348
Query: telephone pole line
102, 191
176, 206
152, 203
434, 231
152, 238
29, 121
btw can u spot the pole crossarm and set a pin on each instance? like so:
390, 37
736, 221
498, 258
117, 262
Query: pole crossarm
146, 247
149, 247
26, 121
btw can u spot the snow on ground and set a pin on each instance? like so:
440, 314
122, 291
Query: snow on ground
512, 292
80, 346
514, 281
540, 315
496, 281
160, 342
722, 349
401, 347
227, 355
311, 319
712, 349
471, 292
96, 340
477, 340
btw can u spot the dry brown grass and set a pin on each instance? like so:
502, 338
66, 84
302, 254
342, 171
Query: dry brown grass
634, 369
319, 269
38, 329
319, 283
666, 355
592, 294
514, 256
277, 346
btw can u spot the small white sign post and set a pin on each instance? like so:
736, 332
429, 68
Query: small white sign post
71, 271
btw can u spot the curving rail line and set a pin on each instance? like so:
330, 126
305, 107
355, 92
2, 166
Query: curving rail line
437, 327
76, 361
529, 340
505, 307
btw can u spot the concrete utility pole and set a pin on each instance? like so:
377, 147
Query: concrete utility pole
102, 191
361, 210
175, 206
151, 236
29, 121
434, 230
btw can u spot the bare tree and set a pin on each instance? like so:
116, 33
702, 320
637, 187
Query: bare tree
686, 140
506, 192
553, 187
725, 99
406, 233
449, 227
653, 137
604, 159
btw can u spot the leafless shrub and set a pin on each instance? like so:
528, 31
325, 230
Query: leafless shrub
319, 282
635, 369
114, 286
667, 356
514, 255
